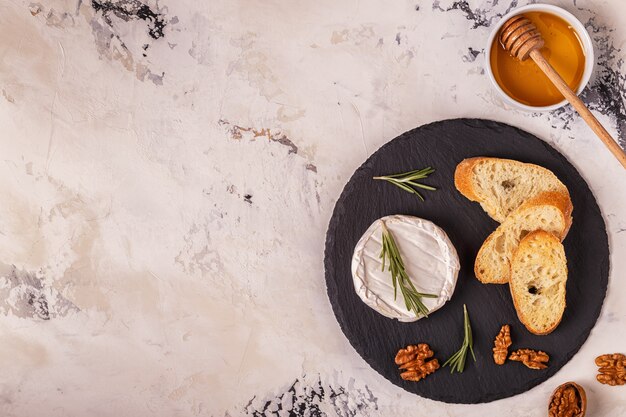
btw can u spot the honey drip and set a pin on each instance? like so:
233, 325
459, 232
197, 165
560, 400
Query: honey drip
524, 81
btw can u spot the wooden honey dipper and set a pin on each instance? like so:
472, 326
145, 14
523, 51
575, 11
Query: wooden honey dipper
521, 39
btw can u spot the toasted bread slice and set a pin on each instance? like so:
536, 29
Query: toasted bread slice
550, 211
538, 278
502, 185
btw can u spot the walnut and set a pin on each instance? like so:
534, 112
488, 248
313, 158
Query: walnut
502, 343
413, 361
612, 369
568, 400
412, 353
419, 372
531, 358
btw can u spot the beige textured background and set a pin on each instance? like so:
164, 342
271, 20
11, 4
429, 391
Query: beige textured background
164, 198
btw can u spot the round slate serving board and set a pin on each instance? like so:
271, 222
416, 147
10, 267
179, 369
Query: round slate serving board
377, 339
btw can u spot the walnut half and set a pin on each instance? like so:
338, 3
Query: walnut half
612, 369
501, 345
531, 358
568, 400
413, 361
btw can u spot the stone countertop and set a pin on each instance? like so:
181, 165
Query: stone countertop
168, 170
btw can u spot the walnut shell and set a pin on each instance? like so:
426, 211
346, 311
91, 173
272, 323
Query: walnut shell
568, 400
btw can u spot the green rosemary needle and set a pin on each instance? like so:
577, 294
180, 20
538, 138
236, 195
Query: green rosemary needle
399, 277
457, 361
408, 180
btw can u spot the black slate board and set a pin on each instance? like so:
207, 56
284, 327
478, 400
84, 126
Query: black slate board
443, 145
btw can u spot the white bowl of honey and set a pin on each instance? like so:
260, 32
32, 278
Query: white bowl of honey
568, 49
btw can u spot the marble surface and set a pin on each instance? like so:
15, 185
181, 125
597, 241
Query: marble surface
168, 170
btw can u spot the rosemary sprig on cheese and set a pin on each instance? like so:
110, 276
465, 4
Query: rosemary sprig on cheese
457, 361
399, 277
408, 180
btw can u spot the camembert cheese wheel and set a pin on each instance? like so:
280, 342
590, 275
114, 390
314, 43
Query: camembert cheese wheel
429, 258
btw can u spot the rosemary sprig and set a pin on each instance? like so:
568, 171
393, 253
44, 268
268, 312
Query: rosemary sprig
399, 276
457, 361
407, 180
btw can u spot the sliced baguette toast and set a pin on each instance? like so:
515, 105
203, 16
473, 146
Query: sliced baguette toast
550, 211
538, 278
502, 185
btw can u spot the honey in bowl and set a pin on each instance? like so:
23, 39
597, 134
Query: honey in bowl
524, 81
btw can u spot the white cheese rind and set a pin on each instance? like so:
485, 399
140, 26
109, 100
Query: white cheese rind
429, 258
